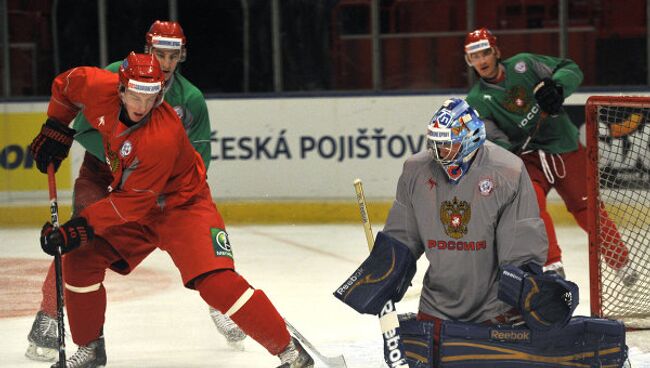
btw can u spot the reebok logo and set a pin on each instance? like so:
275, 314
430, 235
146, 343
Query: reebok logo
512, 335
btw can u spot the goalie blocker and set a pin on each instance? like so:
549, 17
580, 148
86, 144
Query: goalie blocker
583, 342
384, 275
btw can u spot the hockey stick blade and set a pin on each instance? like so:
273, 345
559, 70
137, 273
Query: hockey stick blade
331, 362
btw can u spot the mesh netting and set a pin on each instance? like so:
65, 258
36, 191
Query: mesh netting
624, 218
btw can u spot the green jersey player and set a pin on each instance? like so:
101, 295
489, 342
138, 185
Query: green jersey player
521, 99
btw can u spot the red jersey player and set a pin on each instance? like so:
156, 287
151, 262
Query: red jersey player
157, 192
166, 40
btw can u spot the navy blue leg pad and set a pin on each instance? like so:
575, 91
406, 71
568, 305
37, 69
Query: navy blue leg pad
584, 341
417, 339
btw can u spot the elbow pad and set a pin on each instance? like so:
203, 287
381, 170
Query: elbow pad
545, 301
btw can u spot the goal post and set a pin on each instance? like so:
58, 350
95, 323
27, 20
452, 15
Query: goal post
618, 176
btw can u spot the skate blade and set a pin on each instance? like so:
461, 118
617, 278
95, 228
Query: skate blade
41, 354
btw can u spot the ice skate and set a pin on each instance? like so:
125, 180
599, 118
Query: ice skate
557, 267
42, 339
295, 356
627, 275
229, 329
92, 355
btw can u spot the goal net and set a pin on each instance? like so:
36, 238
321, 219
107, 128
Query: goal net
618, 142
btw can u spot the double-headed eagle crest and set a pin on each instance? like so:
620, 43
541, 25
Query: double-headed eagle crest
455, 216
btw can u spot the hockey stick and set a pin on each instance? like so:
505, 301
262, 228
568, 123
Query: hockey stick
54, 218
532, 135
331, 362
541, 120
388, 315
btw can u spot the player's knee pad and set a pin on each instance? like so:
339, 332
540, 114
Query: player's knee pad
584, 342
417, 341
384, 275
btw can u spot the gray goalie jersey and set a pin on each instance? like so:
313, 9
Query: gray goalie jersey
467, 230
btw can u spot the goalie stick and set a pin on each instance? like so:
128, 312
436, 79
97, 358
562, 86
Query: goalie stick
54, 218
388, 315
330, 362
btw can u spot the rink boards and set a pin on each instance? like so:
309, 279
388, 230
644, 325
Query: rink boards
274, 160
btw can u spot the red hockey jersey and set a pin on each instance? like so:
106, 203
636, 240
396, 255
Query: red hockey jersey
153, 163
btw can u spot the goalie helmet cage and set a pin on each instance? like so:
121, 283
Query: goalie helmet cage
618, 176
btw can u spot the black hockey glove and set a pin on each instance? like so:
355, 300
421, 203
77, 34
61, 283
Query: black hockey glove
549, 96
52, 144
545, 301
68, 236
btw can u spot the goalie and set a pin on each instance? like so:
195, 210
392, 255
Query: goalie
470, 207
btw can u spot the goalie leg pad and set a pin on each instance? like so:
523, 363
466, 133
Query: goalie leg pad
585, 341
417, 341
384, 275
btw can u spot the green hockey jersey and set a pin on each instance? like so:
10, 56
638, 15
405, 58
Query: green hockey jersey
511, 104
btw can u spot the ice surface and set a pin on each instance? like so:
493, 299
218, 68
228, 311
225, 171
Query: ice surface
297, 266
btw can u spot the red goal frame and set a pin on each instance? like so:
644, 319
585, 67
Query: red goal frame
593, 191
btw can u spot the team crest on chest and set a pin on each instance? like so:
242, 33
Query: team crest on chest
516, 100
485, 186
126, 149
455, 216
521, 67
111, 158
179, 112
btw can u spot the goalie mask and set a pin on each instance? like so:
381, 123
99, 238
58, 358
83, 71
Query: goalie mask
141, 73
166, 35
453, 135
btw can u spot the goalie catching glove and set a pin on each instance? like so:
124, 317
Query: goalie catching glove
549, 96
384, 275
52, 144
69, 236
546, 301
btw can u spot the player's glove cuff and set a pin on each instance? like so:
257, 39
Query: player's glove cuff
51, 145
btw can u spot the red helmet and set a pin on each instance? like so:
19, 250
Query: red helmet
478, 40
166, 35
141, 73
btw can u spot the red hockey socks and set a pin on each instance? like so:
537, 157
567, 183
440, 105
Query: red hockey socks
554, 251
250, 309
86, 313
